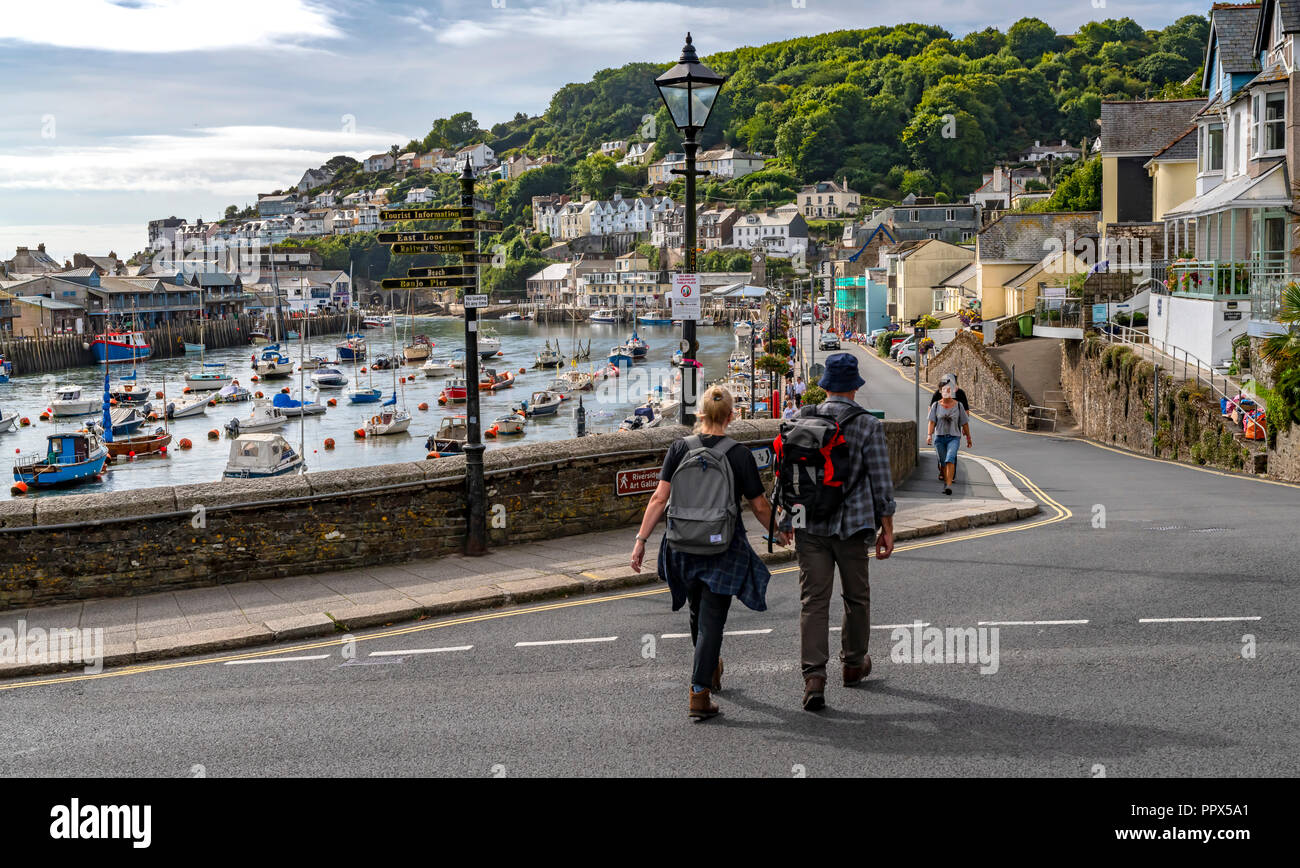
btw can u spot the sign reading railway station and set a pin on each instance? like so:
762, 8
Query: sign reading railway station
445, 247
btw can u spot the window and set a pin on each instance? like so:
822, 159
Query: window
967, 235
934, 235
950, 215
915, 217
1213, 154
1274, 121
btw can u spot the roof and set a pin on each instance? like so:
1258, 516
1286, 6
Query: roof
49, 303
1183, 147
1021, 237
1142, 127
1268, 189
558, 271
1232, 28
1288, 10
959, 277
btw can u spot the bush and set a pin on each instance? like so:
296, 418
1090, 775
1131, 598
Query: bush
814, 395
885, 341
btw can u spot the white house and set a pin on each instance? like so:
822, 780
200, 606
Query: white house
477, 156
638, 154
313, 178
781, 232
325, 200
419, 194
379, 163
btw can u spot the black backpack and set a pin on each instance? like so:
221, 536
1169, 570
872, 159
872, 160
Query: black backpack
812, 460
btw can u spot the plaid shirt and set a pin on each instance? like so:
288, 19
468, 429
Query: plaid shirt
870, 495
738, 571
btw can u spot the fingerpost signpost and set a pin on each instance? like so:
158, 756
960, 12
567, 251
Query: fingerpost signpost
462, 242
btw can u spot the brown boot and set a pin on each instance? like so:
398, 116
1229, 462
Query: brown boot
814, 693
717, 676
855, 675
702, 707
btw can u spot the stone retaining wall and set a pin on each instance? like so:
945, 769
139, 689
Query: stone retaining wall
81, 546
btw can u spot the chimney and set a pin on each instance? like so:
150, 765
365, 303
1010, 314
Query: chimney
1037, 143
41, 247
1063, 144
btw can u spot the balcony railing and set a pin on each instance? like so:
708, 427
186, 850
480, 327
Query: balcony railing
1266, 294
1217, 279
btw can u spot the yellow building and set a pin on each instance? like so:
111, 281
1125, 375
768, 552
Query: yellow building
1016, 243
1173, 174
1132, 132
913, 269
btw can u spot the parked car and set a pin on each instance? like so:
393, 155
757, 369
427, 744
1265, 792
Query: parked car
807, 318
907, 354
829, 341
896, 351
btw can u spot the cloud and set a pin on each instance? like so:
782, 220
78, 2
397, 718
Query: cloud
235, 161
165, 26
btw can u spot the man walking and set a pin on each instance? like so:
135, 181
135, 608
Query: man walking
840, 521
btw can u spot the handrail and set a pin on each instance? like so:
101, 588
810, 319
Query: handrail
1163, 349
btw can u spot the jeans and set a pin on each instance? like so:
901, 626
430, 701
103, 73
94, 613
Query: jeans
708, 618
818, 558
946, 445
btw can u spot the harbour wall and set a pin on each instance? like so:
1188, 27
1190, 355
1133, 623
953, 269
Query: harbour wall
84, 546
34, 355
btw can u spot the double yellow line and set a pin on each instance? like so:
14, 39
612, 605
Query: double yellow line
1061, 514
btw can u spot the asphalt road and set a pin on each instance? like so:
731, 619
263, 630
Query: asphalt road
1108, 684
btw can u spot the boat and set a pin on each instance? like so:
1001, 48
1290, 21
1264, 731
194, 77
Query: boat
451, 437
8, 421
642, 417
372, 322
352, 348
458, 359
140, 444
743, 329
72, 401
212, 376
512, 316
264, 417
257, 337
254, 456
129, 392
385, 319
489, 344
550, 358
492, 380
328, 378
193, 349
419, 349
637, 347
391, 419
111, 347
364, 396
6, 370
313, 363
573, 381
128, 420
293, 408
69, 459
454, 391
620, 356
384, 363
605, 316
654, 319
437, 367
706, 320
543, 403
186, 406
292, 335
507, 425
272, 364
232, 393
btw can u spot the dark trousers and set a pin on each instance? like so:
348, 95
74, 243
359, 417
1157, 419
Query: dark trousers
818, 558
708, 618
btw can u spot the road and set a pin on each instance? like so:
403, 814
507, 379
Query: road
1109, 685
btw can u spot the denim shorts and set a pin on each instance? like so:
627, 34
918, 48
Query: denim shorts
946, 445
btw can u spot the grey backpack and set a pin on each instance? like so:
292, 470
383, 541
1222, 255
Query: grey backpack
702, 511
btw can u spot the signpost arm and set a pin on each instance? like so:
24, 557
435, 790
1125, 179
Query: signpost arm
476, 488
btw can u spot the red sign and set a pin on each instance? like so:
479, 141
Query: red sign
641, 481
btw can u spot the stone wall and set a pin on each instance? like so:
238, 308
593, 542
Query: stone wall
1110, 390
987, 386
81, 546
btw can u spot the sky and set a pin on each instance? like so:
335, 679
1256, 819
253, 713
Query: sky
116, 112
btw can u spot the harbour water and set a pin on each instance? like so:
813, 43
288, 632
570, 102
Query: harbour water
606, 407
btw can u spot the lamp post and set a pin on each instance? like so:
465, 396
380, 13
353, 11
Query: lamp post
689, 91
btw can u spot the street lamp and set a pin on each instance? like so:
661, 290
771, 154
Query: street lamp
689, 91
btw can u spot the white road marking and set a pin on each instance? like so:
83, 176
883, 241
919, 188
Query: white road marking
1190, 620
675, 636
566, 641
278, 659
1004, 486
885, 626
745, 632
419, 651
1030, 623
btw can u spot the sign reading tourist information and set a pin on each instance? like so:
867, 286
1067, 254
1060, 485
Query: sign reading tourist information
424, 282
441, 271
641, 481
422, 237
686, 296
475, 301
448, 247
426, 213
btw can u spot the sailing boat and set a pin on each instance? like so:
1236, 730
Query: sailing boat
391, 418
420, 346
291, 406
635, 346
273, 364
129, 391
356, 394
140, 444
210, 375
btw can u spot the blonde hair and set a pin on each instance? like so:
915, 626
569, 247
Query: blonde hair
715, 408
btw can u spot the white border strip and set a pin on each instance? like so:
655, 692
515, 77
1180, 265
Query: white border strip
1004, 486
565, 642
1030, 623
1198, 620
419, 651
277, 660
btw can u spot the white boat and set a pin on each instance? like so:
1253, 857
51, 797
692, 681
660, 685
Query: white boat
438, 367
328, 378
543, 403
272, 363
605, 316
743, 329
293, 408
451, 437
573, 381
512, 316
254, 456
391, 420
509, 424
7, 421
706, 321
72, 401
213, 375
488, 343
642, 417
186, 406
264, 417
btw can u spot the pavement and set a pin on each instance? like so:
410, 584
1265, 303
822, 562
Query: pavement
1147, 622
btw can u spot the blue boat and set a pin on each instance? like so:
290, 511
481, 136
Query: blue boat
120, 347
6, 369
637, 347
648, 319
351, 348
364, 396
70, 459
620, 357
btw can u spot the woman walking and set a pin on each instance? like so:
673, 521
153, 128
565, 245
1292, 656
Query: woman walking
948, 421
708, 581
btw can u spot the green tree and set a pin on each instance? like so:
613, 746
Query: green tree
596, 175
1029, 38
